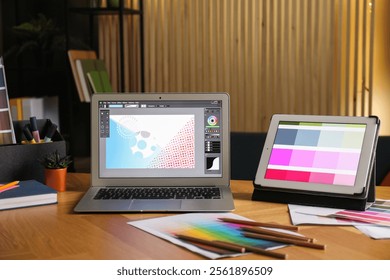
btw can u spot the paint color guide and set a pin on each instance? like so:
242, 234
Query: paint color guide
323, 153
6, 129
378, 214
2, 79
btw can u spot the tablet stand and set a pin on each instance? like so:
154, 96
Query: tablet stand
319, 199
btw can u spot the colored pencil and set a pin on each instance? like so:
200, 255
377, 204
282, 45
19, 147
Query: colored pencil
9, 185
253, 223
276, 233
231, 246
215, 243
285, 240
212, 249
260, 251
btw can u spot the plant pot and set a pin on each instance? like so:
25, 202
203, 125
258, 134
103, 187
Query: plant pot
56, 178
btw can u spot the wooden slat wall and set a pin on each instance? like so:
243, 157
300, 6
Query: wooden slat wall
109, 48
272, 56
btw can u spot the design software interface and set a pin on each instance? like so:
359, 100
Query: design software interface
160, 138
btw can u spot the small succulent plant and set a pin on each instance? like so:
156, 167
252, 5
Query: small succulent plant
55, 161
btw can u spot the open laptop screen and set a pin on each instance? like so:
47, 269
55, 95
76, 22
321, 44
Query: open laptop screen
160, 138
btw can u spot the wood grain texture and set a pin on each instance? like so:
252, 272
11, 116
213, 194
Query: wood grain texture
55, 232
296, 57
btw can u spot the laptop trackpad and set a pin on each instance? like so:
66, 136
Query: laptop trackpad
155, 205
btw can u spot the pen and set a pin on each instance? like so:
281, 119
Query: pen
28, 135
253, 223
9, 185
34, 129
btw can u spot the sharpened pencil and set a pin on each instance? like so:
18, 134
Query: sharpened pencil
268, 253
218, 244
212, 249
9, 185
284, 240
276, 233
232, 246
259, 224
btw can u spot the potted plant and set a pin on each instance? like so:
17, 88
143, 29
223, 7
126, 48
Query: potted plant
55, 170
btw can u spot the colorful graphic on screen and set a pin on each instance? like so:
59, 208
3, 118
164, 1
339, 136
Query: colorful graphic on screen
322, 153
142, 141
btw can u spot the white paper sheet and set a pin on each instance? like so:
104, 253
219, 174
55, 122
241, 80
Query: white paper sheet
301, 215
200, 225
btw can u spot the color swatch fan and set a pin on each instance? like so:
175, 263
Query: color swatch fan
7, 135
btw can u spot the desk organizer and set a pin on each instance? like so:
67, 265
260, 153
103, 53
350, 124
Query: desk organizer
20, 161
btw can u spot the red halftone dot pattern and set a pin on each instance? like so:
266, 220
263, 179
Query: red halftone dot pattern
180, 151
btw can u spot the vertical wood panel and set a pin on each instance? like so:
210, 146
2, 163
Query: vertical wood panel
371, 57
283, 56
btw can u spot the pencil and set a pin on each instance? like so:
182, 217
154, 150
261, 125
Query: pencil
253, 223
285, 240
215, 243
213, 249
8, 185
276, 233
260, 251
231, 246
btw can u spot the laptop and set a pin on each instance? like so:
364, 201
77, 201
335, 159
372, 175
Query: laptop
159, 152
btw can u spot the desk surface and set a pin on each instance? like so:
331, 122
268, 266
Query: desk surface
55, 232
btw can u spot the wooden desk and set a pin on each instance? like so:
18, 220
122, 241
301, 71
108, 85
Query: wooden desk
55, 232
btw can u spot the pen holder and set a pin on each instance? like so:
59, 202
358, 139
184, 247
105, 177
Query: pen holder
20, 161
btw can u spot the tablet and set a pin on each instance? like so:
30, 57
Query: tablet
331, 154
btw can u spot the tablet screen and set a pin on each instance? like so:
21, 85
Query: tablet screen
323, 153
318, 153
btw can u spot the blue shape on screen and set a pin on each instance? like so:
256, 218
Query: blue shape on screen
119, 152
141, 144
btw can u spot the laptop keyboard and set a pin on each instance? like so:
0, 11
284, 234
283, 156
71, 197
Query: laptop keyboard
159, 193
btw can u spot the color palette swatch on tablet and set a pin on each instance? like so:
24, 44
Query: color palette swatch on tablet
323, 153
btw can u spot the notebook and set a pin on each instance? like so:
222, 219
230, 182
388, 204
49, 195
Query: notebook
159, 152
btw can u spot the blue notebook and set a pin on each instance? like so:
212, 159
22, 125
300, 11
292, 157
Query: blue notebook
29, 193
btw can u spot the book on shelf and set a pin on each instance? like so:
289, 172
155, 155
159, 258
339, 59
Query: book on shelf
7, 134
98, 79
93, 77
27, 193
76, 55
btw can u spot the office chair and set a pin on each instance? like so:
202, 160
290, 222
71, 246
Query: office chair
383, 161
246, 149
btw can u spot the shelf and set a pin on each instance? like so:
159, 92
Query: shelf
105, 11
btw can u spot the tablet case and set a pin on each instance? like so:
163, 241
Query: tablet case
332, 200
